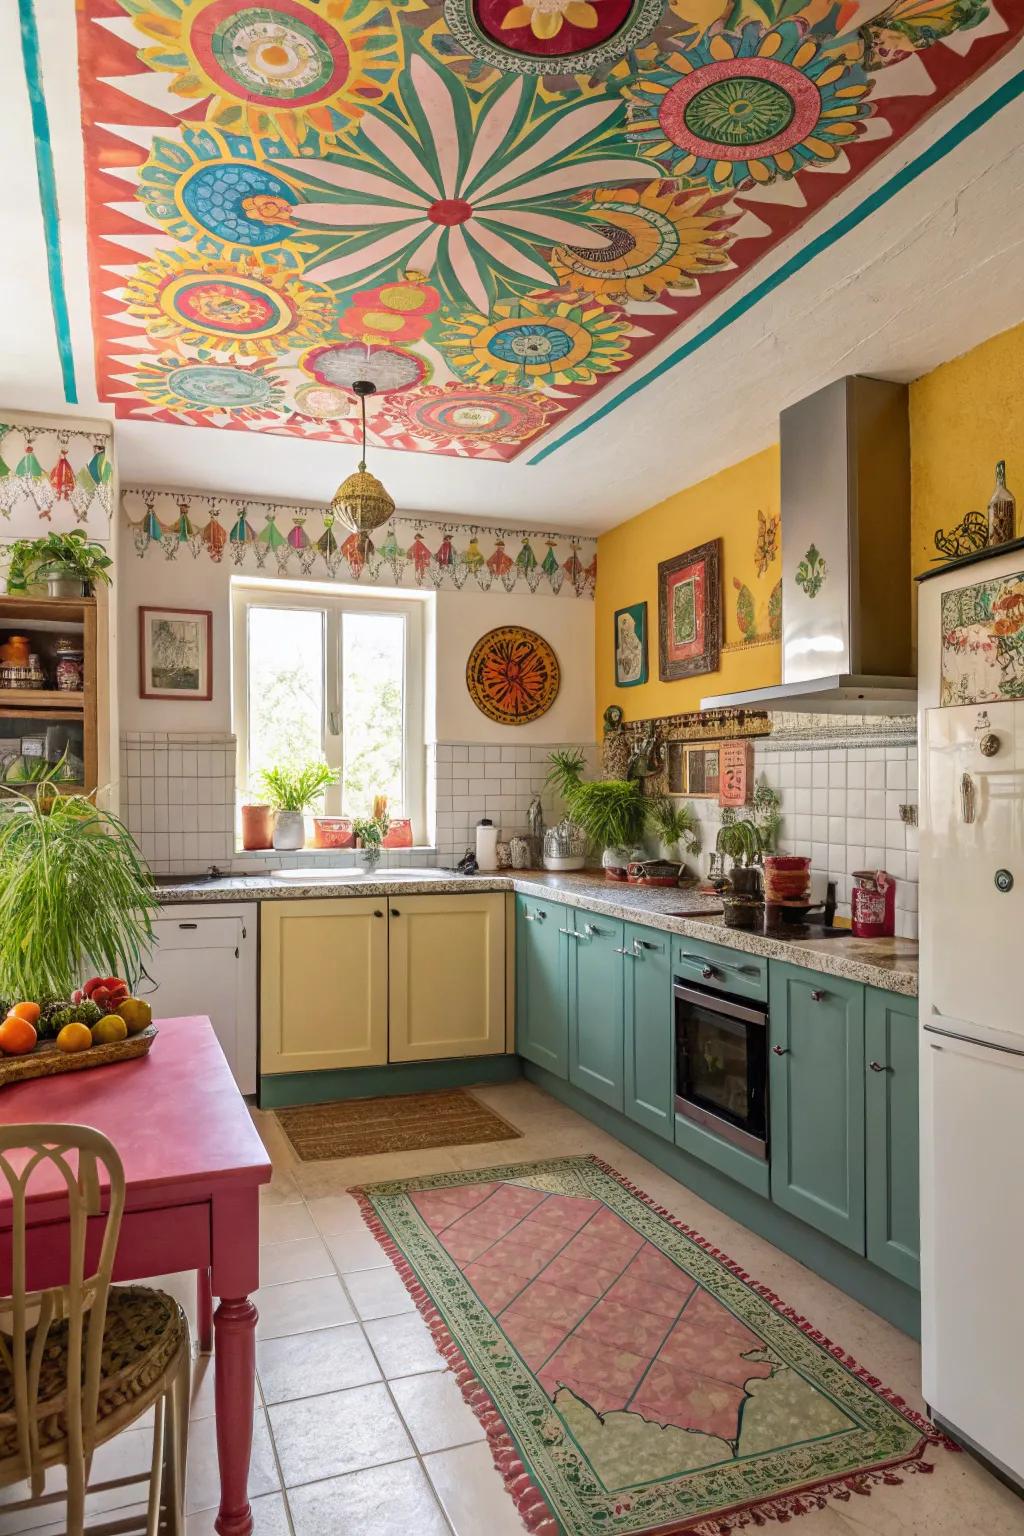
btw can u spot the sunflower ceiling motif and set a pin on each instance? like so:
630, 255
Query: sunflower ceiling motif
490, 208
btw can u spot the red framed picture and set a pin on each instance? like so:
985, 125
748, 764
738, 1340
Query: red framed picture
736, 772
690, 612
176, 653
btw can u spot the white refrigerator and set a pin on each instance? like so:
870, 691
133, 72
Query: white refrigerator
971, 729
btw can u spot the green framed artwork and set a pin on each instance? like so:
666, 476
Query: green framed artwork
631, 645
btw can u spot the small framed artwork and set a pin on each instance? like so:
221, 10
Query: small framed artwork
693, 771
736, 772
175, 653
690, 612
631, 646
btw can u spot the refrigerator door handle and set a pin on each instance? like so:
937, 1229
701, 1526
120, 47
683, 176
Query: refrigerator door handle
967, 798
985, 1045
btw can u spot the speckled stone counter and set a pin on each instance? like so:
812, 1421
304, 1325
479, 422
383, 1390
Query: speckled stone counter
891, 964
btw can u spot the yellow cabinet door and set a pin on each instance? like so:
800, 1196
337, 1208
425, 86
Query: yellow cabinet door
323, 984
447, 967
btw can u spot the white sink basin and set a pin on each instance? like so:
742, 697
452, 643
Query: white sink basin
317, 875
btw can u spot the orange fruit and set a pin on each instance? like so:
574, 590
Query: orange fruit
29, 1011
17, 1036
74, 1037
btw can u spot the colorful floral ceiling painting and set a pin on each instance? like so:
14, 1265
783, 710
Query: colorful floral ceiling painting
490, 208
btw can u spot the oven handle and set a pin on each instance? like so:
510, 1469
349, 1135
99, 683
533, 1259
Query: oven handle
715, 1003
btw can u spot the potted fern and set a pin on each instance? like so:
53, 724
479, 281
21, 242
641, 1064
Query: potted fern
612, 813
678, 828
292, 790
75, 895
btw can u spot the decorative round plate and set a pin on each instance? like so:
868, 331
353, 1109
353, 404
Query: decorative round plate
512, 675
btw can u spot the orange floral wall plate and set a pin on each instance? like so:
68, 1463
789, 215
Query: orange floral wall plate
512, 675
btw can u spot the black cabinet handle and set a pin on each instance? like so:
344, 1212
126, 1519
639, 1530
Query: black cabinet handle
395, 912
378, 913
188, 925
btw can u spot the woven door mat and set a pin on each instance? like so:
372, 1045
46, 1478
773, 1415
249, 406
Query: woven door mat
407, 1122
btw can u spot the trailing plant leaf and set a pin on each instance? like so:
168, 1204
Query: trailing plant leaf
75, 895
566, 770
296, 788
676, 824
31, 559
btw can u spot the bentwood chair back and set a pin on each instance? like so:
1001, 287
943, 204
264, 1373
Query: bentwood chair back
81, 1360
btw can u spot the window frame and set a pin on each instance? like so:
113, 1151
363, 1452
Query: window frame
333, 602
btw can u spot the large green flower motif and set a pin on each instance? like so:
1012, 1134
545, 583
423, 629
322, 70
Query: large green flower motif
475, 194
749, 105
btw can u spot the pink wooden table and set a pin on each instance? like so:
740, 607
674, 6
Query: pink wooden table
193, 1165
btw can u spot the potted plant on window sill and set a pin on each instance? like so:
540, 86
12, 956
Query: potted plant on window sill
68, 563
293, 790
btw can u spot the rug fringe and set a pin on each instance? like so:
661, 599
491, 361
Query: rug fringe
533, 1508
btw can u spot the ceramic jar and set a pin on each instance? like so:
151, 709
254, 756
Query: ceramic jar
289, 831
519, 852
503, 853
70, 669
257, 827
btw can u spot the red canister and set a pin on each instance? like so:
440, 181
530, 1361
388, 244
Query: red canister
873, 904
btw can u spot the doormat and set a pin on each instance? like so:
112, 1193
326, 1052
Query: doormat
630, 1378
403, 1122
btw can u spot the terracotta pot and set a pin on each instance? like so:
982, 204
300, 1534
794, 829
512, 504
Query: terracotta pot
257, 827
333, 832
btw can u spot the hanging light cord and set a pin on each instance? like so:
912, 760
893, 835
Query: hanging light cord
362, 412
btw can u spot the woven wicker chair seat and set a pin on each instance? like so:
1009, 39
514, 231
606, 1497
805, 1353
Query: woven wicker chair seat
143, 1333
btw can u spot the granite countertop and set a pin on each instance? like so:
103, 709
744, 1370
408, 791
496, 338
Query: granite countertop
891, 964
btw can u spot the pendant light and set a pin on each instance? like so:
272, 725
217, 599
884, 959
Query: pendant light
361, 503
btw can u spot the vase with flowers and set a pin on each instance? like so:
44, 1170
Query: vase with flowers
370, 832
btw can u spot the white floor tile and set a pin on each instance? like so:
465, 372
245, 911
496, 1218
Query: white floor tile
395, 1500
320, 1437
285, 1224
300, 1306
305, 1259
378, 1292
404, 1345
435, 1411
472, 1492
202, 1484
269, 1516
307, 1364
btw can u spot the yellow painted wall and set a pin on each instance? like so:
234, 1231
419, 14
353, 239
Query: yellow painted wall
965, 416
725, 507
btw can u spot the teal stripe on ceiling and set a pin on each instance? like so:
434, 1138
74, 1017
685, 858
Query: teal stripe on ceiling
47, 196
950, 140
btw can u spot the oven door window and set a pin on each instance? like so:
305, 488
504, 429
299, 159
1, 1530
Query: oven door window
721, 1064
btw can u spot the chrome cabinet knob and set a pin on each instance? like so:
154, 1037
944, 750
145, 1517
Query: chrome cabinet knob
876, 1066
818, 996
708, 971
780, 1050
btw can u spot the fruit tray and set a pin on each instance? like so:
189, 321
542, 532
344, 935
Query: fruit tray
46, 1060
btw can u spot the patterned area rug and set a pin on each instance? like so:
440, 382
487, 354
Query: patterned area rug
631, 1379
405, 1122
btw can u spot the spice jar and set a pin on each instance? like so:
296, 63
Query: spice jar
70, 665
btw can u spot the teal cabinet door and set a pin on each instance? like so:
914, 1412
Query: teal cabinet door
595, 1007
893, 1219
542, 984
816, 1100
649, 1055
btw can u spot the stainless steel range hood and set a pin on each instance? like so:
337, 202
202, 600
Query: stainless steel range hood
846, 616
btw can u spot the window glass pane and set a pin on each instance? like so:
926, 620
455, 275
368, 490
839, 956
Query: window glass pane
286, 687
372, 683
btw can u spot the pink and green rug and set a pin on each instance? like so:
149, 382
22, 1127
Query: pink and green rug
631, 1380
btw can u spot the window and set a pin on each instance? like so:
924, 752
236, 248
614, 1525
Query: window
335, 674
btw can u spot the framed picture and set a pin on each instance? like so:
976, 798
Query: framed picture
631, 646
693, 771
690, 612
175, 653
736, 773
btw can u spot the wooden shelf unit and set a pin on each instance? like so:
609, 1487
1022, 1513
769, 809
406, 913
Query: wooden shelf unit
49, 616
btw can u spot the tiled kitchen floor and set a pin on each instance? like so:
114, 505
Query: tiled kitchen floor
361, 1432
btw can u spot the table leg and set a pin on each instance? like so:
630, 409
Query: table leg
234, 1395
204, 1309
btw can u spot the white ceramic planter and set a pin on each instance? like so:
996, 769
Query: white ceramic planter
289, 831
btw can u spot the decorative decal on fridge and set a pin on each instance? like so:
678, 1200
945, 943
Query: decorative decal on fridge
983, 642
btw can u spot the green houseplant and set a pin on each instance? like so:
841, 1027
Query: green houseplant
68, 562
75, 896
293, 789
370, 832
613, 813
678, 826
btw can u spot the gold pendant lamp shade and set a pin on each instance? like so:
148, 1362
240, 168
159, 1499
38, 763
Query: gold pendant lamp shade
361, 503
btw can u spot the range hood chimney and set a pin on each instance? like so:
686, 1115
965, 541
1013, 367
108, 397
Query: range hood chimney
846, 616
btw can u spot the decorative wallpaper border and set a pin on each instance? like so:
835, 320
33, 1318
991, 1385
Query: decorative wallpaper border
299, 539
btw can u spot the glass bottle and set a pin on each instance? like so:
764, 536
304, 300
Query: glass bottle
1001, 509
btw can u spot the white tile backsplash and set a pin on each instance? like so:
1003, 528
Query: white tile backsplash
495, 781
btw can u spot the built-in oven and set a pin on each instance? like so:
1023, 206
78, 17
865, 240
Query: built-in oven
722, 1065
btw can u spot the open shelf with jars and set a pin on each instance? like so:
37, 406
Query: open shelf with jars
48, 691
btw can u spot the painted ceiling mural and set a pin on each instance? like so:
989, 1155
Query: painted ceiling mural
489, 208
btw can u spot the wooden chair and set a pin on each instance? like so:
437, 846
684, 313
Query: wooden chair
81, 1361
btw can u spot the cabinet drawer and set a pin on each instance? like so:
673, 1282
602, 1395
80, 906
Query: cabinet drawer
720, 968
197, 932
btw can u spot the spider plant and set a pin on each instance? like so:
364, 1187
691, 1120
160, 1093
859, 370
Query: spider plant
75, 896
612, 812
296, 788
738, 839
676, 824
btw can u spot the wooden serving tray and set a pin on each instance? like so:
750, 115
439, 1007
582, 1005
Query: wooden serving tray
46, 1060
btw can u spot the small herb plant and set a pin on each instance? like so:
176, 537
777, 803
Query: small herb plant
75, 895
678, 826
31, 560
296, 788
767, 816
371, 830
